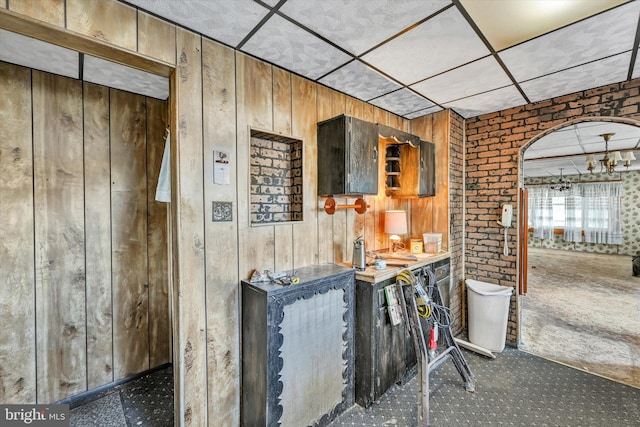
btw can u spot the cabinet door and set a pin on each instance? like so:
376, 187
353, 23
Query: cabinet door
362, 154
332, 156
427, 169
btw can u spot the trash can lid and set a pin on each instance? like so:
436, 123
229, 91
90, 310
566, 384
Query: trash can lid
488, 289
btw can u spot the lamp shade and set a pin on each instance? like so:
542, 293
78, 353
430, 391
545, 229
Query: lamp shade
590, 159
616, 156
395, 222
628, 155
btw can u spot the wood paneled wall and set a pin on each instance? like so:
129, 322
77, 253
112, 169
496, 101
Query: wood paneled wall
84, 246
217, 94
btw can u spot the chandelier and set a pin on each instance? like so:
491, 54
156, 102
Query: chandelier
562, 185
610, 160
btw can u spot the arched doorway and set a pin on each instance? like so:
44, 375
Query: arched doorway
563, 314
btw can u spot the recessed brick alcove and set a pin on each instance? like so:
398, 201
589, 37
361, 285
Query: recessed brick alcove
276, 178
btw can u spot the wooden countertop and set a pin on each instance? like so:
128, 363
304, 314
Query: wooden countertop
374, 276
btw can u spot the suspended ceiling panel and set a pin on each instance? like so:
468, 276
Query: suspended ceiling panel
359, 81
609, 70
479, 76
114, 75
487, 102
404, 101
42, 56
280, 42
424, 112
443, 42
358, 26
611, 33
227, 21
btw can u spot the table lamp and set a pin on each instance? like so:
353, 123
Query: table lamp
395, 222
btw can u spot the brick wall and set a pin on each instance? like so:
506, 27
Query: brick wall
276, 181
493, 144
456, 209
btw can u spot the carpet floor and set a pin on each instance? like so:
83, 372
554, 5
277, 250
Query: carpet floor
583, 310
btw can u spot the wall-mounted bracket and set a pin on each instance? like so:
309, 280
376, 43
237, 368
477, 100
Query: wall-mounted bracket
330, 206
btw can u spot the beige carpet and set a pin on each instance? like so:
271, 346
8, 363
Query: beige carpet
583, 310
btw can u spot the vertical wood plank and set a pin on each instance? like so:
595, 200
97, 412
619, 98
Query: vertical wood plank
422, 209
223, 328
325, 221
441, 199
50, 11
156, 38
106, 20
254, 108
129, 233
303, 122
97, 213
283, 237
17, 345
355, 222
157, 238
59, 236
187, 158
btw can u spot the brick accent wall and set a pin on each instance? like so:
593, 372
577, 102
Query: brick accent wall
276, 181
456, 209
493, 145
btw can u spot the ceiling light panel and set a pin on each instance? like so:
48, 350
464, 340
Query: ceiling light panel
401, 102
280, 42
360, 81
506, 23
32, 53
440, 44
594, 74
223, 20
603, 35
479, 76
118, 76
369, 22
487, 102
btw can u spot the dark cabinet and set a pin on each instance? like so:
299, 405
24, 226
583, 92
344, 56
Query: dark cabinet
427, 184
298, 348
384, 353
347, 157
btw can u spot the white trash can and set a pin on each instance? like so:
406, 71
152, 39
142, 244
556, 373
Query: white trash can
488, 307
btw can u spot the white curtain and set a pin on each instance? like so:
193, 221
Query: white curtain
601, 212
541, 211
573, 215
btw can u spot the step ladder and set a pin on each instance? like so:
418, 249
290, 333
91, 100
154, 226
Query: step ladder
424, 309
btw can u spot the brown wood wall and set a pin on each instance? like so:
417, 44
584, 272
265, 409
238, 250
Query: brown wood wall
217, 94
84, 245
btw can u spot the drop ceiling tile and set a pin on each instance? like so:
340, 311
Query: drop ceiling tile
282, 43
479, 76
603, 35
369, 22
360, 81
440, 44
591, 75
271, 3
487, 102
423, 112
32, 53
223, 20
118, 76
401, 102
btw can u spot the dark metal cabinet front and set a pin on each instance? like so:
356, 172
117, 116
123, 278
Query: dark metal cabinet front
347, 157
427, 185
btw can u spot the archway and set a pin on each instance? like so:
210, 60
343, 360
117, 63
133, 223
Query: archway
557, 308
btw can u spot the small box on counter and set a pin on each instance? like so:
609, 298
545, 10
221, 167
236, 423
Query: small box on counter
432, 242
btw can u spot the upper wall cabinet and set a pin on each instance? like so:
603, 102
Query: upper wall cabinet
409, 169
347, 157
